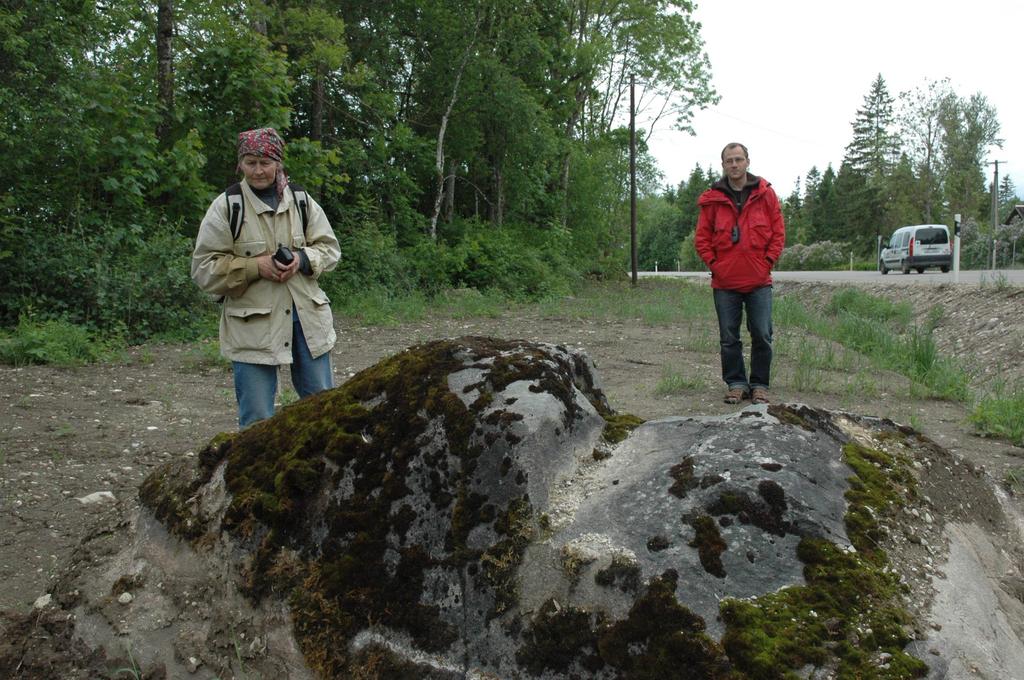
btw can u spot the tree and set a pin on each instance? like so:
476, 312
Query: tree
863, 181
903, 206
970, 126
922, 132
858, 210
1008, 198
874, 148
797, 221
822, 207
165, 70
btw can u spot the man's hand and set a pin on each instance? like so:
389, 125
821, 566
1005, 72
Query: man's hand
272, 270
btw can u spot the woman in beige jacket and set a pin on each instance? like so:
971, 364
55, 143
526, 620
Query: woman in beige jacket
274, 311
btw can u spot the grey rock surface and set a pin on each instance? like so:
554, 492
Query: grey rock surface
456, 512
765, 484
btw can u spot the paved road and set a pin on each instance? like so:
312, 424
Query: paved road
930, 277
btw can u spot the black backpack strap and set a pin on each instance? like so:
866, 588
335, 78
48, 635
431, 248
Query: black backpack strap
301, 200
236, 209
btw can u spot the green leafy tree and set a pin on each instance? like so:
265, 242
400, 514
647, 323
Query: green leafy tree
660, 232
922, 131
970, 127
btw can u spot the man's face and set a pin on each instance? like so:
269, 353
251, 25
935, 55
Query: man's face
260, 171
735, 164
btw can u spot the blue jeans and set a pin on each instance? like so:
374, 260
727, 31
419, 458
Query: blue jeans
729, 305
256, 384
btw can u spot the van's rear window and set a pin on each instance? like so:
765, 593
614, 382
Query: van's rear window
931, 237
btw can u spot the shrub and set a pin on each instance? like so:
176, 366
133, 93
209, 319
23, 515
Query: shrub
54, 341
815, 256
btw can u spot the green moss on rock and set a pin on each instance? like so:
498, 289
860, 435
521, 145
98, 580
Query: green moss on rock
622, 572
322, 494
659, 638
619, 425
850, 608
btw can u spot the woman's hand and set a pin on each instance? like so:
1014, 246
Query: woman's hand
272, 270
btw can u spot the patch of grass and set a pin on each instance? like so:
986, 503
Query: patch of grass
997, 280
379, 307
205, 355
1001, 414
854, 302
133, 670
1013, 480
863, 385
672, 383
882, 332
655, 302
57, 342
64, 430
807, 377
703, 338
466, 303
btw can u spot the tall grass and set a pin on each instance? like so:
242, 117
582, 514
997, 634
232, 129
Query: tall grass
654, 302
1001, 413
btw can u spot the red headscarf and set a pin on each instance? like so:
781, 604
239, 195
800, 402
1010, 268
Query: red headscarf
265, 142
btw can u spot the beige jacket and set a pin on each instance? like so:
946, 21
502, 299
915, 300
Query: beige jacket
256, 316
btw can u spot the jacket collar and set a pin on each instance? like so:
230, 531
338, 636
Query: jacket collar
259, 206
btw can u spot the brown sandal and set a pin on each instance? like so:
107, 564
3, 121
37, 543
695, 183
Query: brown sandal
735, 395
759, 396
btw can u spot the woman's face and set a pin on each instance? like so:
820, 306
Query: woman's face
260, 171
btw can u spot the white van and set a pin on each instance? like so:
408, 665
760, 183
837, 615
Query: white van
917, 247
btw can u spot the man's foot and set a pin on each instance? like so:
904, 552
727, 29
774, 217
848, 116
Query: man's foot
759, 396
735, 395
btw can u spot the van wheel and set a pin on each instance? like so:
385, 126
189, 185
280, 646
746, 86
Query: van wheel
945, 270
905, 268
882, 268
920, 270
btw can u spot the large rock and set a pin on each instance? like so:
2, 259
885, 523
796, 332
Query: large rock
466, 509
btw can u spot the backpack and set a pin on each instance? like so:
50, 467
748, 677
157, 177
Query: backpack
236, 207
236, 213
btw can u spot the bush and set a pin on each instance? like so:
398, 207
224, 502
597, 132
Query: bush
130, 277
816, 256
54, 341
504, 259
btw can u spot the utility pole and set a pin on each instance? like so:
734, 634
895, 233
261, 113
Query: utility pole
632, 178
995, 205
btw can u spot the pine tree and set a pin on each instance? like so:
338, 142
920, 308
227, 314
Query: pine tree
863, 182
874, 149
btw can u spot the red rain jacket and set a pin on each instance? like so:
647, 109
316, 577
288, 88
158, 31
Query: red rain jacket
747, 264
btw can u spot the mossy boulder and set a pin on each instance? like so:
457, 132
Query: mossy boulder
466, 509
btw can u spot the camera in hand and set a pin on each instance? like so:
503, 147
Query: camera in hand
284, 255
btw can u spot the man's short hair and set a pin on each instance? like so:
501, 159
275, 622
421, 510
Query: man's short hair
733, 145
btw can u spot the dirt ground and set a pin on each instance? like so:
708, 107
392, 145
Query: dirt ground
69, 433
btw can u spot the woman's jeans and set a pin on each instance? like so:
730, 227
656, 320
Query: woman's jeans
256, 384
729, 305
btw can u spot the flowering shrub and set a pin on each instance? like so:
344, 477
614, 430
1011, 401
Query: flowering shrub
815, 256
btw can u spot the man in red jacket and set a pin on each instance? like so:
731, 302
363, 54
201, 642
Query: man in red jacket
740, 234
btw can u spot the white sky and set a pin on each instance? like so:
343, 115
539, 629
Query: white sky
793, 73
